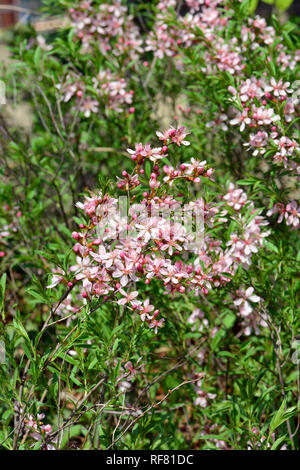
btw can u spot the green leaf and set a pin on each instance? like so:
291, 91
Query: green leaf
281, 416
278, 442
39, 297
253, 6
37, 56
271, 246
147, 169
229, 320
283, 5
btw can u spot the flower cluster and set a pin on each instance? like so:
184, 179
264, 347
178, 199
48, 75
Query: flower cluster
258, 34
264, 108
110, 92
211, 19
290, 212
160, 239
38, 431
109, 27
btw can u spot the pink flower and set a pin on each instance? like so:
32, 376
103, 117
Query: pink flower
145, 309
56, 278
243, 301
278, 88
236, 198
264, 116
292, 214
156, 324
88, 106
148, 229
128, 298
179, 136
176, 136
241, 119
196, 167
125, 271
250, 90
258, 142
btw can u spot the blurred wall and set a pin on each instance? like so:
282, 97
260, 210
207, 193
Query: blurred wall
10, 17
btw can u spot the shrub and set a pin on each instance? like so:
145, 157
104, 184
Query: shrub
149, 294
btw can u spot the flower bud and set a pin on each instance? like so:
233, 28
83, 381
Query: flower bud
75, 235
